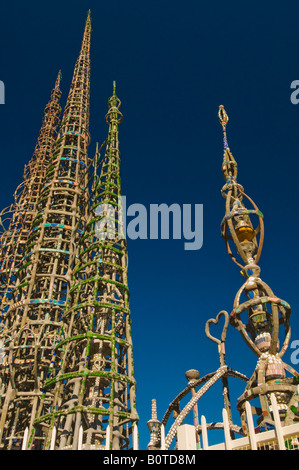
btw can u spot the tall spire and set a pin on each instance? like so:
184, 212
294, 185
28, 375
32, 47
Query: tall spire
24, 208
267, 315
95, 387
44, 276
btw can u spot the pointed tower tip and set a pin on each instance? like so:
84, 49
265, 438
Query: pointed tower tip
114, 87
223, 118
58, 79
88, 22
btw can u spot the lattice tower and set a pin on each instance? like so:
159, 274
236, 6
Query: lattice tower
92, 374
34, 318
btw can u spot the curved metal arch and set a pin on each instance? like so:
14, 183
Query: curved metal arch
210, 379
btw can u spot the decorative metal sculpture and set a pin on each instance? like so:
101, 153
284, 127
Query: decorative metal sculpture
67, 372
268, 316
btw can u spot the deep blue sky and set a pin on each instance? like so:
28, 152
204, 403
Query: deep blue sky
174, 64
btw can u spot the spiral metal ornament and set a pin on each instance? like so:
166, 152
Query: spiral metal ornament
267, 330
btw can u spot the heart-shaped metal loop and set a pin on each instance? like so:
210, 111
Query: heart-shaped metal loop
215, 321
